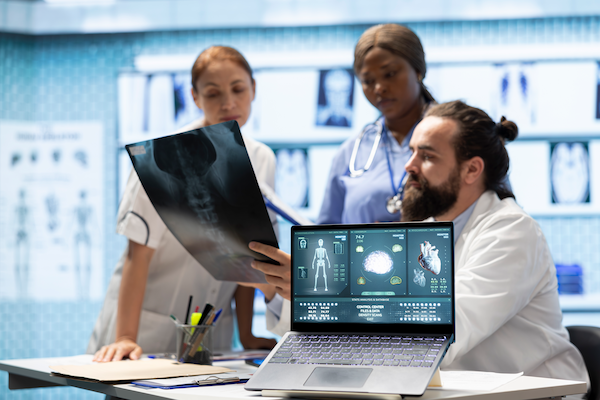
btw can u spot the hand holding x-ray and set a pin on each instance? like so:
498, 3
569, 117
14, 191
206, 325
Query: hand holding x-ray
428, 259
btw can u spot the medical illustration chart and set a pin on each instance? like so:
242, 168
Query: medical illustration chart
51, 210
376, 275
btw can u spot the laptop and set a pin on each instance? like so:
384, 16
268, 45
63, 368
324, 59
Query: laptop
372, 310
203, 186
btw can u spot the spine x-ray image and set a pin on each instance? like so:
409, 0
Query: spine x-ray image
570, 173
335, 102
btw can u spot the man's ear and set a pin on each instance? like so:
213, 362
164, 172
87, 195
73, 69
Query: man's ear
472, 170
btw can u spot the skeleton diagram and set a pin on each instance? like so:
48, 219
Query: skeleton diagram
83, 246
22, 246
320, 257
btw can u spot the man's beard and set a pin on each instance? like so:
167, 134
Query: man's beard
427, 201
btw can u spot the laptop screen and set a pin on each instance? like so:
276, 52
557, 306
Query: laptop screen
378, 275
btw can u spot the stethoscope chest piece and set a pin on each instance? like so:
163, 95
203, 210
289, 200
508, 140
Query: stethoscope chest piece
394, 204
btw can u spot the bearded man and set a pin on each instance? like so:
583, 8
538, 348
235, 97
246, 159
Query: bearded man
508, 317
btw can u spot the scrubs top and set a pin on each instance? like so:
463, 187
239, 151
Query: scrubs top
363, 199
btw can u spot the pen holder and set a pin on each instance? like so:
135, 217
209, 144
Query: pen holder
194, 344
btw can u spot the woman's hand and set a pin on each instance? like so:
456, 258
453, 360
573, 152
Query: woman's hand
279, 276
122, 348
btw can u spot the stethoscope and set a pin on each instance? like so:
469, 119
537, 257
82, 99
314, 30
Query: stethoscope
394, 203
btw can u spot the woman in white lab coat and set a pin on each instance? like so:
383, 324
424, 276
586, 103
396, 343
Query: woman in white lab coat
156, 275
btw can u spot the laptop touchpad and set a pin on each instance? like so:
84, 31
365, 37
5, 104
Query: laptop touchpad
338, 377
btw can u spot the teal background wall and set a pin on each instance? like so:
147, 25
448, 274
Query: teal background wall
74, 77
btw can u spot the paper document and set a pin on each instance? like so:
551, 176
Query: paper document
474, 380
131, 370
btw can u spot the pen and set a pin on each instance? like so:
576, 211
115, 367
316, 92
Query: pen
175, 320
207, 309
187, 313
217, 315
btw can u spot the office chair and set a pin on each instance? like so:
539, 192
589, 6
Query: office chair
587, 340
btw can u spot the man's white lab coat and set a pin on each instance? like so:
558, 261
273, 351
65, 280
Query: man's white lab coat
508, 317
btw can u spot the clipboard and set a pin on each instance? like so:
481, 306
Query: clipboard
193, 381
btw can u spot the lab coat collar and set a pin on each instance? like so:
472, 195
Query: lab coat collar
487, 202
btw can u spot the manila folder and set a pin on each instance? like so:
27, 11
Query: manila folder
132, 370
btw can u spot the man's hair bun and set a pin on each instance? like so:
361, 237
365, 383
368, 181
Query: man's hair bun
507, 129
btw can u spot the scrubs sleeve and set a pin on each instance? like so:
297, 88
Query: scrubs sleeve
506, 266
137, 218
332, 207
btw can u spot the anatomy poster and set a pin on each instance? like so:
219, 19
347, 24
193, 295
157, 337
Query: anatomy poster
51, 210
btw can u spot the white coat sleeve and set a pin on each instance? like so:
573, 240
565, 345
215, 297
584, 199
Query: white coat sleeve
504, 265
279, 326
263, 162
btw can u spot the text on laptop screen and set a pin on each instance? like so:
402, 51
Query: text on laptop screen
373, 274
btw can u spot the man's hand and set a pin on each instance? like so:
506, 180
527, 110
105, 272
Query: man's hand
117, 351
279, 276
254, 343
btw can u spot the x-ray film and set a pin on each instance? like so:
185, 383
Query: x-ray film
203, 187
570, 173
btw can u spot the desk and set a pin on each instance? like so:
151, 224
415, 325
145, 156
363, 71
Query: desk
34, 373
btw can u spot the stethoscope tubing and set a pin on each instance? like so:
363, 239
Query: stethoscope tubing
354, 173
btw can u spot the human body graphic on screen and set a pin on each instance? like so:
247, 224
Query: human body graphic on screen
320, 257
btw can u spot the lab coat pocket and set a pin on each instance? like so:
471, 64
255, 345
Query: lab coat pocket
156, 333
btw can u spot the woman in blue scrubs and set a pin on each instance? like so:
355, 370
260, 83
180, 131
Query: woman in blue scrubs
367, 174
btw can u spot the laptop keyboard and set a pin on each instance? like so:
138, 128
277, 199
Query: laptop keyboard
406, 351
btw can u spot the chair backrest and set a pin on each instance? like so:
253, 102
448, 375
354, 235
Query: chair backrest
587, 340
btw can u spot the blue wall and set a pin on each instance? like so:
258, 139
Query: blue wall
74, 77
